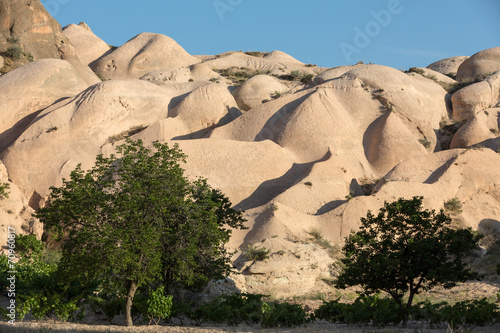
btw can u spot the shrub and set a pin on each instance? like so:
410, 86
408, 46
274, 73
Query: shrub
453, 206
232, 309
255, 254
426, 143
14, 52
276, 314
3, 190
158, 306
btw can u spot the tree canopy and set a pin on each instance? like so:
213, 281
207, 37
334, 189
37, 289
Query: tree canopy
405, 250
134, 219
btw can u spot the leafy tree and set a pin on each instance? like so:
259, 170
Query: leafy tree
405, 250
134, 219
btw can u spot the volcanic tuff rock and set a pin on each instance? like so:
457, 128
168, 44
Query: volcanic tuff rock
87, 46
31, 88
479, 65
141, 55
312, 160
28, 21
448, 65
476, 97
15, 213
258, 89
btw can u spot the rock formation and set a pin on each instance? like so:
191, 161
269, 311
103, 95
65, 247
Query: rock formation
313, 150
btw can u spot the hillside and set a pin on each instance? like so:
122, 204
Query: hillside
305, 151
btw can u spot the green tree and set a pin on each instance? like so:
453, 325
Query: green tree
134, 219
4, 193
406, 250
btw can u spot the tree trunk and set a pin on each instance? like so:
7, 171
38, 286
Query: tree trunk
131, 289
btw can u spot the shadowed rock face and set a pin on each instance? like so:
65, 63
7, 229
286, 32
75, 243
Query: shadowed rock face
37, 32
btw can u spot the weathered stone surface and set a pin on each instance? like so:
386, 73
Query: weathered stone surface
476, 97
479, 65
141, 55
36, 31
29, 89
448, 65
258, 89
87, 46
15, 214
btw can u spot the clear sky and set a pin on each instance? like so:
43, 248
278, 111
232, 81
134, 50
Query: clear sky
329, 33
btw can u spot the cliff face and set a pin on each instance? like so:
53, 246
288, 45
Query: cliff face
26, 23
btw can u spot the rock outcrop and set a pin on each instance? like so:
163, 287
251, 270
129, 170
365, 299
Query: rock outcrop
87, 46
31, 88
27, 23
448, 65
141, 55
479, 65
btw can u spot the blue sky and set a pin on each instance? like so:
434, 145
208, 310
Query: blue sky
396, 33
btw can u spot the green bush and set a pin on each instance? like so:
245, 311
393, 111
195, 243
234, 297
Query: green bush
232, 309
14, 52
158, 306
365, 310
255, 254
283, 315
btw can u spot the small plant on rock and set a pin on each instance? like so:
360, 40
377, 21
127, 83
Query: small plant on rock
453, 206
255, 254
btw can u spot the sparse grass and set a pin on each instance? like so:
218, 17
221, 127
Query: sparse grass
311, 65
52, 129
276, 95
297, 76
214, 80
102, 78
256, 54
125, 134
426, 143
274, 207
317, 238
239, 75
490, 239
453, 206
447, 130
368, 185
254, 254
280, 252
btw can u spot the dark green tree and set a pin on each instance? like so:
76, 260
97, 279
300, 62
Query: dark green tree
134, 219
405, 250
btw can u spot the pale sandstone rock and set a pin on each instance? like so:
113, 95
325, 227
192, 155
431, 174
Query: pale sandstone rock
141, 55
15, 213
290, 265
448, 65
27, 20
74, 130
26, 90
331, 74
282, 57
194, 73
482, 129
479, 65
1, 62
257, 89
476, 97
87, 46
68, 53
